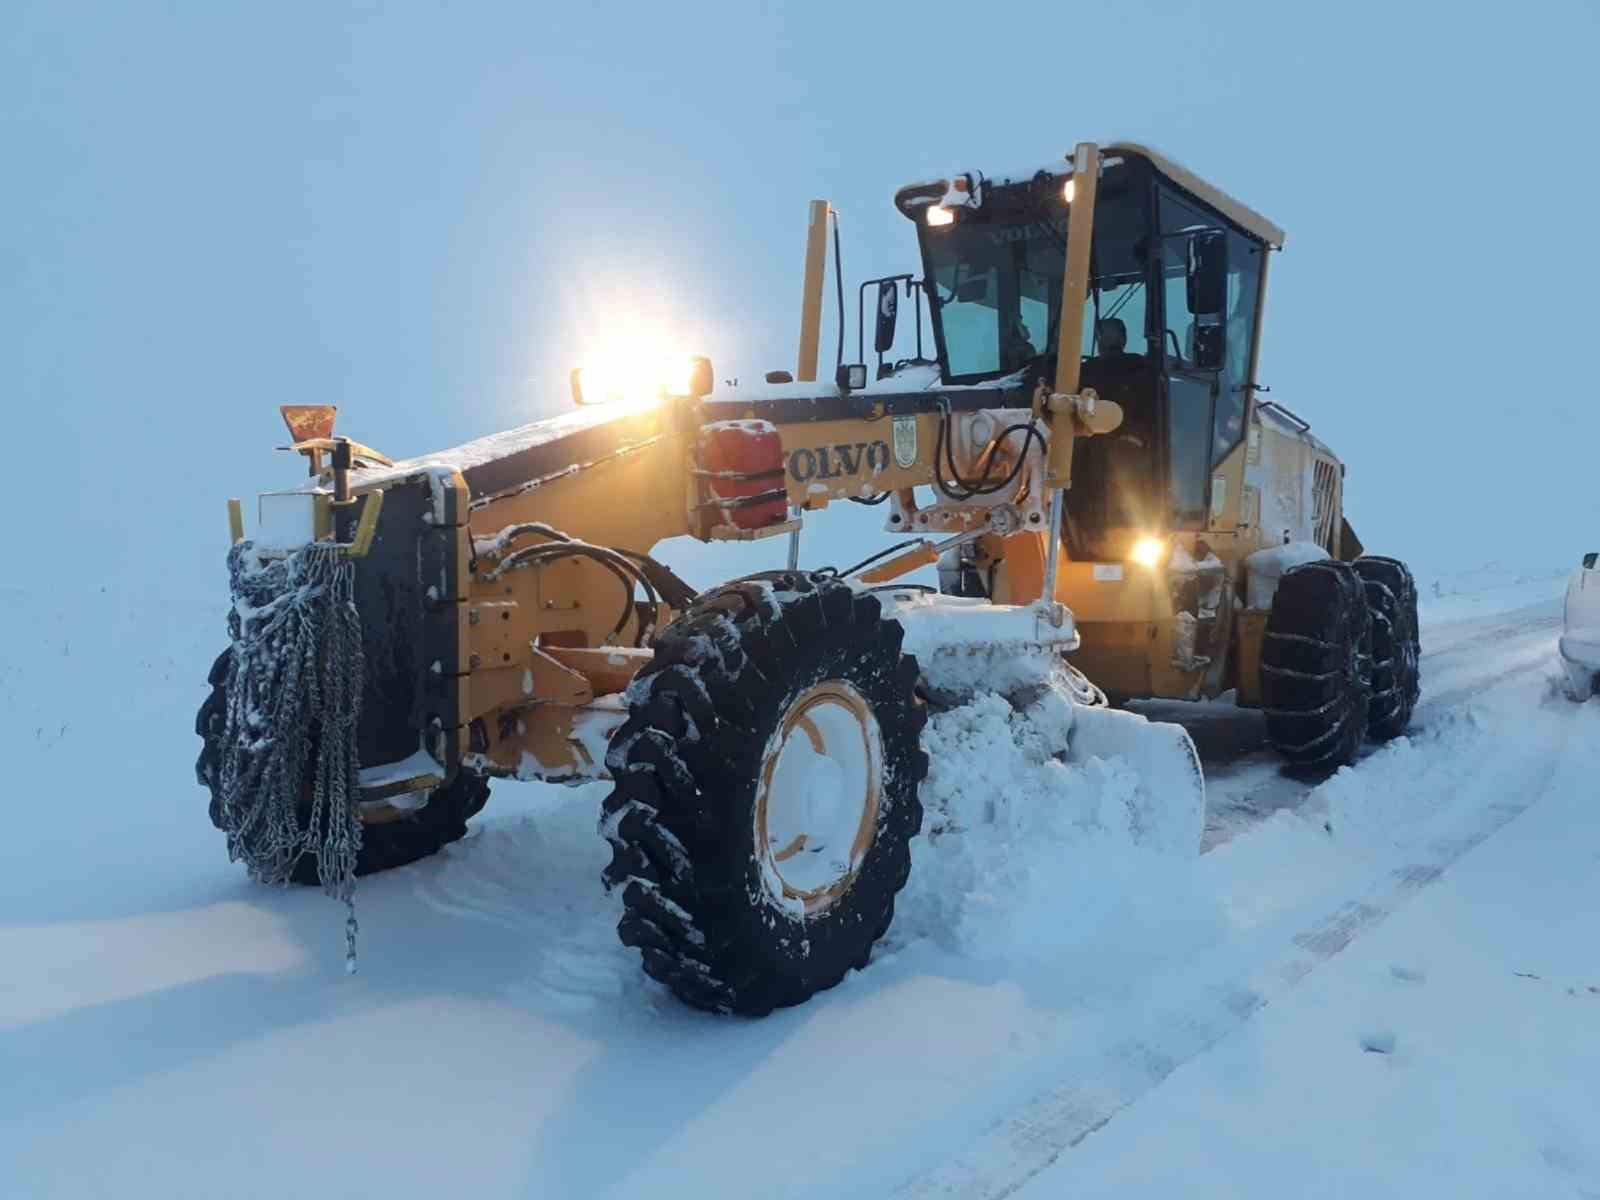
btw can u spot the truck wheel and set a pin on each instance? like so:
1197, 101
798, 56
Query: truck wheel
766, 792
1396, 648
414, 834
1316, 665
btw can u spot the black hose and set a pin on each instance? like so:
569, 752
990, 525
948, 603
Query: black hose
627, 572
678, 594
838, 283
658, 580
957, 488
533, 555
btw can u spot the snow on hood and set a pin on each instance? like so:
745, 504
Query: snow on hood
496, 445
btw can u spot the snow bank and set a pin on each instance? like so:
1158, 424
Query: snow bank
1031, 798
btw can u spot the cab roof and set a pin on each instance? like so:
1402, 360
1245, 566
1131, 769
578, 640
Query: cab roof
918, 195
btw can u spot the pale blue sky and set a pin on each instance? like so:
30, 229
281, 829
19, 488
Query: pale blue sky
425, 213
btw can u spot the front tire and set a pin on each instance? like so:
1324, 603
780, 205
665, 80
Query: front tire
412, 835
766, 792
1316, 665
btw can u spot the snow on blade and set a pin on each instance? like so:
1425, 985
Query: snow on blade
1027, 791
964, 645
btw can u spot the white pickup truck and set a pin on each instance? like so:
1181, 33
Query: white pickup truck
1580, 635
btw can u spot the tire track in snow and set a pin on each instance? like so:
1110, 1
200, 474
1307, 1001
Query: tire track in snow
1446, 639
1009, 1154
1478, 654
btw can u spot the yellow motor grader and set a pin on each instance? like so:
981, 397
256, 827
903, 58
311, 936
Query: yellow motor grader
1084, 459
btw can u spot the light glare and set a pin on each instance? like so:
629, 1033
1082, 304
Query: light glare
1148, 551
638, 380
938, 215
1068, 189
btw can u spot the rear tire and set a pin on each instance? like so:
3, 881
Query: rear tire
1316, 665
1396, 648
728, 903
414, 835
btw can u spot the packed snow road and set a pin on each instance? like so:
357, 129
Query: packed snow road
1463, 656
168, 1028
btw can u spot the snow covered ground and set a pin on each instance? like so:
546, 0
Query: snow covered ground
1451, 1048
1385, 984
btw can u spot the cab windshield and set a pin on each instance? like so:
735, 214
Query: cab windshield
995, 276
996, 285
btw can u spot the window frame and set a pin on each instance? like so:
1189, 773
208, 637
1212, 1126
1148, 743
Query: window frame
1247, 380
1165, 192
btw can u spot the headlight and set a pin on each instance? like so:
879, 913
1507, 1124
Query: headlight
1068, 188
938, 214
641, 382
1148, 552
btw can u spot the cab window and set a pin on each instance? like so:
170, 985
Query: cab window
1244, 285
1178, 220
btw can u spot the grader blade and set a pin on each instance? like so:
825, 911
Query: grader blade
964, 647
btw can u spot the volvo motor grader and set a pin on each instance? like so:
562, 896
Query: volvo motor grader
1085, 459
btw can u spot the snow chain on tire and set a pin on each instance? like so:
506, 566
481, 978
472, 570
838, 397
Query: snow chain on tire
1316, 665
1396, 649
690, 764
414, 835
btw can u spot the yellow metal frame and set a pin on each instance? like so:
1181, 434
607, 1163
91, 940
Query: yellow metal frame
1074, 289
366, 526
811, 291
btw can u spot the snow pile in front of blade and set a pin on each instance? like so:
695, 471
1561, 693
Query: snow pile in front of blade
1037, 806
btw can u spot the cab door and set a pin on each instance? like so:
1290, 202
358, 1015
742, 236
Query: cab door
1193, 300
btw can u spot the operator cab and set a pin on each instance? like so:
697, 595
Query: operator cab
1169, 324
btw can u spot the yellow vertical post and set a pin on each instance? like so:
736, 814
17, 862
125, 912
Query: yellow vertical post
1074, 294
235, 521
811, 297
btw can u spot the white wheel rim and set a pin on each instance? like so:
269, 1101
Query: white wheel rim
817, 800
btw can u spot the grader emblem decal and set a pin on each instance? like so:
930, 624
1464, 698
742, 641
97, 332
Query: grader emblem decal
833, 462
904, 433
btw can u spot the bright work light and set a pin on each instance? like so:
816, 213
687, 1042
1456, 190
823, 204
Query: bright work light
1148, 552
938, 215
641, 381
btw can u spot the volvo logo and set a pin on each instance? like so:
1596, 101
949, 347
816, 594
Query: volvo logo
833, 462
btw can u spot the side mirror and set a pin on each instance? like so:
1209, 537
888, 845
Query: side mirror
1207, 286
888, 316
1208, 273
1590, 559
